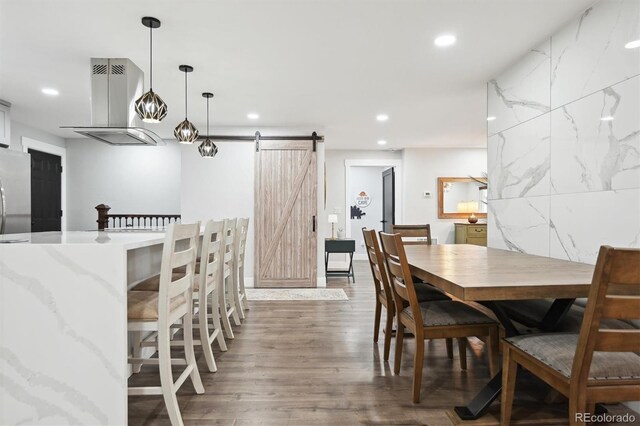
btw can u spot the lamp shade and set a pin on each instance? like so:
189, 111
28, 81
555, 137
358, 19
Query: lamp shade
333, 218
467, 207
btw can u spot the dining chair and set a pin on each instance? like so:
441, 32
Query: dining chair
430, 319
413, 231
384, 294
423, 235
156, 311
239, 249
599, 364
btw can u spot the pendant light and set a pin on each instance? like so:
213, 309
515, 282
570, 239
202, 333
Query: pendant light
150, 107
185, 132
207, 148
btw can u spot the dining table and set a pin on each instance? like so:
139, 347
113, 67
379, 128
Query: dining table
490, 276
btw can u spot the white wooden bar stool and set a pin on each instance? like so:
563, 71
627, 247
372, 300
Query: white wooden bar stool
240, 245
205, 294
227, 302
151, 311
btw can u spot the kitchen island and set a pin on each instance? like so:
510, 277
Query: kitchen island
63, 323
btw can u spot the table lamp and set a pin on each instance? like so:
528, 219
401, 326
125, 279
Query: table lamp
333, 219
469, 207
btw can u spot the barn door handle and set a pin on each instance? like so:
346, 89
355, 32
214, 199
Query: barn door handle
313, 224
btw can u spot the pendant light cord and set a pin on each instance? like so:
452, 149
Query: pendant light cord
151, 57
207, 117
185, 94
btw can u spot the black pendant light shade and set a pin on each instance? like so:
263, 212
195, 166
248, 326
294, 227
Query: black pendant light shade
150, 107
186, 132
207, 148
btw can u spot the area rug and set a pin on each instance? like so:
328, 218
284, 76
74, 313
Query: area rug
296, 294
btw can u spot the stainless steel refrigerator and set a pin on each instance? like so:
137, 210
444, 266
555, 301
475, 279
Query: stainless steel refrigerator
15, 192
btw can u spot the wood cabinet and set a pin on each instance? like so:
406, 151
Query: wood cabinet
471, 233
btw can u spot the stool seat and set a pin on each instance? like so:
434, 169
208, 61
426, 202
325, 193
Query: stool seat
143, 305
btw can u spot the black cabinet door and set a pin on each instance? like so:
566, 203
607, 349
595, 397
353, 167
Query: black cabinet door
46, 191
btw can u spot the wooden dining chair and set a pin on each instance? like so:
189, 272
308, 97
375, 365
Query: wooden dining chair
430, 319
157, 311
597, 365
418, 231
384, 294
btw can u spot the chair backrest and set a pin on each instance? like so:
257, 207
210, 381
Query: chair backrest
242, 228
377, 263
210, 257
423, 231
614, 294
179, 252
400, 279
229, 246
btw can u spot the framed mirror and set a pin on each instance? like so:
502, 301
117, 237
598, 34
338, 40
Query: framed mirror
458, 197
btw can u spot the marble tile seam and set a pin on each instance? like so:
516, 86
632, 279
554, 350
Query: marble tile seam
563, 105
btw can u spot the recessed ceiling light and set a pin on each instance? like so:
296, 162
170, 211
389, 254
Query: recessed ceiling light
382, 117
445, 40
607, 118
381, 142
491, 118
49, 91
253, 116
632, 44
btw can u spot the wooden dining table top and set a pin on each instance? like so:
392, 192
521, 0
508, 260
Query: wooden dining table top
477, 273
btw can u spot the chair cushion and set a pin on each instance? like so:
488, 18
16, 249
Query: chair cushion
557, 351
441, 313
426, 292
153, 283
143, 305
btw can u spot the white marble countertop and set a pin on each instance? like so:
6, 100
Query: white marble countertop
128, 239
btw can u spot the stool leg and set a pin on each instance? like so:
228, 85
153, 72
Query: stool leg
136, 339
166, 376
203, 327
215, 318
222, 301
190, 354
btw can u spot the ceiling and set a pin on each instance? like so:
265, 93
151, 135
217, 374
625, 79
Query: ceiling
305, 65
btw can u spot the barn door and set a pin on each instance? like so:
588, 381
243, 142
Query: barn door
285, 206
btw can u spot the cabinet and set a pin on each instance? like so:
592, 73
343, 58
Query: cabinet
471, 233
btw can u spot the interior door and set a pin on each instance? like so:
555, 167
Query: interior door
46, 191
285, 209
388, 199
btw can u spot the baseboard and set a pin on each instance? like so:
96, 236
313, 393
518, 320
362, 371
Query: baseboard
321, 282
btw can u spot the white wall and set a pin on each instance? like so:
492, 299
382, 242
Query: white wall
130, 179
368, 179
562, 181
421, 169
18, 130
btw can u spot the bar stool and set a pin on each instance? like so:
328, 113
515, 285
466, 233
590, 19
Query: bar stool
205, 297
151, 311
239, 250
226, 279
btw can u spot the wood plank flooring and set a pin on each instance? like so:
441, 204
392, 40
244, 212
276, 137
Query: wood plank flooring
315, 363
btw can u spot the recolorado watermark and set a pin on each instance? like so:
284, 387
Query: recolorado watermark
626, 418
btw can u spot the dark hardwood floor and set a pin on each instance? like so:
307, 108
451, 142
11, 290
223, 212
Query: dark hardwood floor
315, 363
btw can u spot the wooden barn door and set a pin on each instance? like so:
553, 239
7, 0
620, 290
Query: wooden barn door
285, 207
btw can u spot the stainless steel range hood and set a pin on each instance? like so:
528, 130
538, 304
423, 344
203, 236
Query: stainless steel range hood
115, 85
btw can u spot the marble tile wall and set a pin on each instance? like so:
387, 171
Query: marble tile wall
566, 179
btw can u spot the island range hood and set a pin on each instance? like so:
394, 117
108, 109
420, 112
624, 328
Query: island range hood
116, 83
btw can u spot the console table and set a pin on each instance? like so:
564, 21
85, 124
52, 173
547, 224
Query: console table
339, 246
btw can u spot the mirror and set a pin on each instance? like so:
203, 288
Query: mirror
458, 197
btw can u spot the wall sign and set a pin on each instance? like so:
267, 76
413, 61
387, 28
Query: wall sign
363, 200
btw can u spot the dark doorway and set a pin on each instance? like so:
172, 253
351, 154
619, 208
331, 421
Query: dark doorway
388, 199
46, 191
